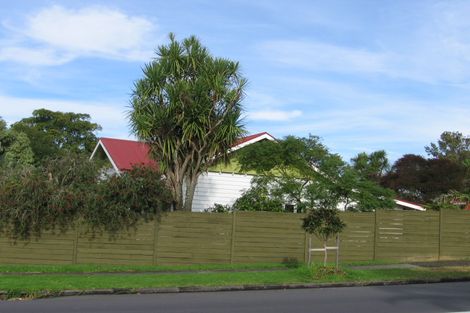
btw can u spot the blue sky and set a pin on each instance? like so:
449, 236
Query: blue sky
363, 75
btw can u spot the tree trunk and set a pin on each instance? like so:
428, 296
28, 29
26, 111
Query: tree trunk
325, 258
176, 187
178, 197
191, 184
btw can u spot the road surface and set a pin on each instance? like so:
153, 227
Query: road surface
444, 297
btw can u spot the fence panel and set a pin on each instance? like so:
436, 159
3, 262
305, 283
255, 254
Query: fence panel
133, 246
188, 238
455, 235
268, 237
406, 235
357, 239
51, 248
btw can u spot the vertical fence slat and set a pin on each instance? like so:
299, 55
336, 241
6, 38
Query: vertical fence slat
155, 242
232, 243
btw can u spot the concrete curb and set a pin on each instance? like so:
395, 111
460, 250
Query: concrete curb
4, 295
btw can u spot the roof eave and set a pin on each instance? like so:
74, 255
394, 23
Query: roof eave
108, 155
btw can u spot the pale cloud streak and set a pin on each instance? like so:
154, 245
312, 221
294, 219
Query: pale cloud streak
56, 35
436, 50
320, 56
274, 115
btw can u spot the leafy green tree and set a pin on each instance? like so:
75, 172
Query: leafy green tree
5, 138
324, 223
260, 197
187, 107
52, 133
15, 148
451, 145
19, 152
372, 166
303, 173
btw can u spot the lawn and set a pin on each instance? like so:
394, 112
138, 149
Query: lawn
15, 284
109, 268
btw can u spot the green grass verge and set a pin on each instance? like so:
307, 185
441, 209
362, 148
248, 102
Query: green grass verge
35, 284
94, 268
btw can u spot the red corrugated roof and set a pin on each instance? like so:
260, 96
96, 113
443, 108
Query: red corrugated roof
127, 153
250, 137
467, 208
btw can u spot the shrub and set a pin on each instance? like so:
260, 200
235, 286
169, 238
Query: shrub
63, 191
323, 223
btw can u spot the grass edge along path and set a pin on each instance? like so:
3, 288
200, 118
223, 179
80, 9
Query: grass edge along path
110, 268
31, 286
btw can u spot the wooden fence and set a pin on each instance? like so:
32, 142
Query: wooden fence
246, 237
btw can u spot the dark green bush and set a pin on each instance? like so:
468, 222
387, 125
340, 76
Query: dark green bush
63, 191
121, 201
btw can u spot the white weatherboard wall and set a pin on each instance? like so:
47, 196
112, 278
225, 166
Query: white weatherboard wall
221, 188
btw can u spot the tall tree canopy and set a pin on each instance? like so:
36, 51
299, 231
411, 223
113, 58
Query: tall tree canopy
18, 152
304, 173
451, 145
418, 179
187, 107
15, 147
3, 137
51, 133
372, 166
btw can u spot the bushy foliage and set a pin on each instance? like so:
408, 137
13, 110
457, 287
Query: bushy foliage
259, 198
219, 208
63, 191
452, 200
121, 201
302, 172
418, 179
323, 223
35, 199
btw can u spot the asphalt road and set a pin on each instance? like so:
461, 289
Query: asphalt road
444, 297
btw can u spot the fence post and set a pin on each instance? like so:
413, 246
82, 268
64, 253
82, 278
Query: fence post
306, 247
75, 242
232, 243
375, 234
440, 235
155, 241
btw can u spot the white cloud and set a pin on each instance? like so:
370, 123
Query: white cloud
274, 115
324, 57
433, 48
56, 35
41, 56
110, 116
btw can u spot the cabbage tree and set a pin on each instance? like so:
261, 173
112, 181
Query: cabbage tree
187, 107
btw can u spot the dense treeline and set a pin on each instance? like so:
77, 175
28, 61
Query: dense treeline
297, 174
48, 183
61, 191
442, 180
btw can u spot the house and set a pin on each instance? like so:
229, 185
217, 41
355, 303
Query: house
222, 184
